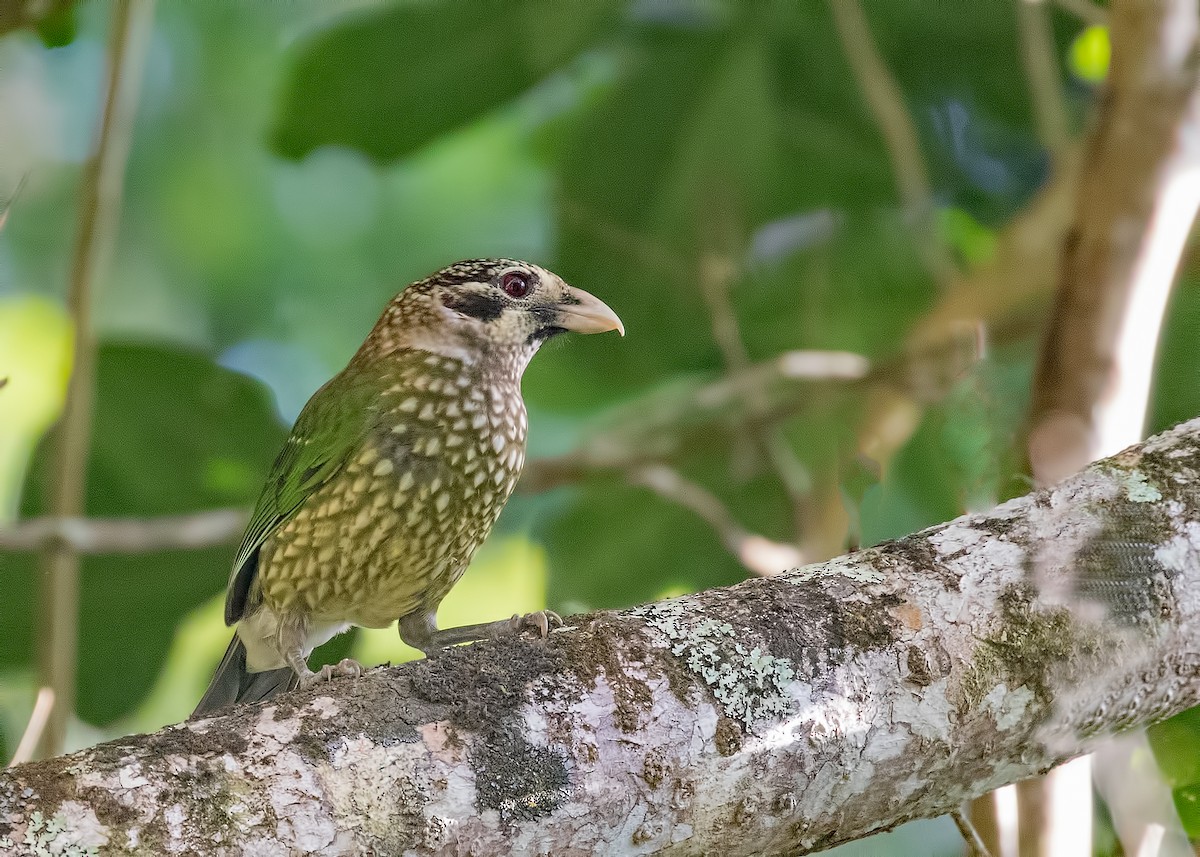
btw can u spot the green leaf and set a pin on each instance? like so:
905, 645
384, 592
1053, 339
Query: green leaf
1091, 53
60, 27
389, 82
35, 361
1176, 392
173, 433
1174, 743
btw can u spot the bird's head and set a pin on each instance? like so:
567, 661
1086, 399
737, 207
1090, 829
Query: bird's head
486, 307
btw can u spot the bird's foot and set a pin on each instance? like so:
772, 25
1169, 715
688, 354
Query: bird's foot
345, 668
541, 622
432, 642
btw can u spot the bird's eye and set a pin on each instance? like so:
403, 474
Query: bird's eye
515, 284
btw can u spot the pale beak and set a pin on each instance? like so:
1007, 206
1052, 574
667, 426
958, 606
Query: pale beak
581, 312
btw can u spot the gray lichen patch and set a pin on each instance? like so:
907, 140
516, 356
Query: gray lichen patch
58, 786
748, 646
1138, 488
73, 831
1160, 467
851, 568
209, 795
522, 782
384, 790
750, 683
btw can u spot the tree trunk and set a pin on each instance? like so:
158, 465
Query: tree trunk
778, 716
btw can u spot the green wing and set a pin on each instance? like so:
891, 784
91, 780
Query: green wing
328, 431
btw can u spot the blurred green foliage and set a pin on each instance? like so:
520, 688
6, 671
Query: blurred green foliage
294, 165
174, 433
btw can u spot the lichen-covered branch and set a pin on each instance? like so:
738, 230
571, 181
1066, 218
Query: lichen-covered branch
779, 716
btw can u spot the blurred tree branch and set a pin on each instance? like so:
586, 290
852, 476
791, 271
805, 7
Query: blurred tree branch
652, 430
758, 554
781, 715
1137, 199
126, 535
660, 426
99, 214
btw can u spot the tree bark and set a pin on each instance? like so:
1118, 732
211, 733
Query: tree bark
778, 716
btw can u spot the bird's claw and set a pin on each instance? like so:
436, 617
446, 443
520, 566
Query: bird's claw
542, 622
346, 667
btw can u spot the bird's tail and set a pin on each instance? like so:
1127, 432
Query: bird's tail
232, 682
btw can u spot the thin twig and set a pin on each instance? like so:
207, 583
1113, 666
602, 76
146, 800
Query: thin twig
32, 736
886, 102
758, 554
6, 208
126, 535
716, 274
1039, 57
657, 427
99, 210
970, 835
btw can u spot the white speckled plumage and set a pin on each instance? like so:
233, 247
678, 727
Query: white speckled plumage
404, 554
396, 470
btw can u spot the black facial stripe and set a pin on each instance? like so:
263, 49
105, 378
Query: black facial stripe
485, 306
544, 315
545, 333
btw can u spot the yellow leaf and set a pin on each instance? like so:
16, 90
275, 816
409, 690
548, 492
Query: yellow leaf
35, 363
1090, 54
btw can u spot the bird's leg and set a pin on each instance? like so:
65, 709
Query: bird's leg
291, 631
291, 637
420, 630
